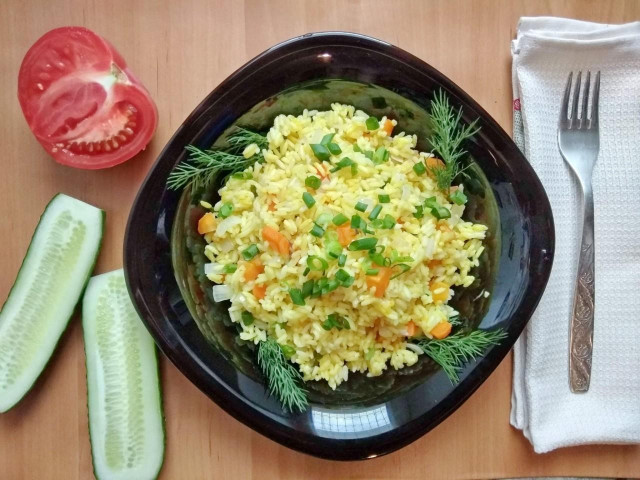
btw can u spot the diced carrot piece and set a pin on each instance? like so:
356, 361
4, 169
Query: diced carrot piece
252, 269
388, 127
411, 328
441, 330
439, 291
272, 206
433, 162
207, 223
380, 281
346, 234
434, 263
276, 240
259, 291
444, 226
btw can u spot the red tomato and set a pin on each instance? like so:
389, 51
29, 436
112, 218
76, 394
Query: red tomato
81, 101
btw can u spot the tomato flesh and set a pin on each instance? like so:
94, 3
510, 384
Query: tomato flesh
81, 101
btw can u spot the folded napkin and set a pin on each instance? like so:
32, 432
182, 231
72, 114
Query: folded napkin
550, 416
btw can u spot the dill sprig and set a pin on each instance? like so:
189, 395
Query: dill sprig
282, 376
202, 166
447, 138
453, 352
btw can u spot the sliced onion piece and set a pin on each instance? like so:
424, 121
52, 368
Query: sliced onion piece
221, 293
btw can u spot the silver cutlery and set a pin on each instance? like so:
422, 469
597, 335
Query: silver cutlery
579, 143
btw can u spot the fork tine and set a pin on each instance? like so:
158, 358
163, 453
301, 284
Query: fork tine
585, 102
593, 123
564, 108
573, 122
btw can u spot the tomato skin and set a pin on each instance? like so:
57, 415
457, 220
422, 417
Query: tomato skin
81, 101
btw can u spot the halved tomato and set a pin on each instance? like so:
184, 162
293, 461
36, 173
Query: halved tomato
81, 101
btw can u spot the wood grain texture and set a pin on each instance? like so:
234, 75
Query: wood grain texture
181, 50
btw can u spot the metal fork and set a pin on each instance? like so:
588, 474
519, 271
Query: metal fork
579, 143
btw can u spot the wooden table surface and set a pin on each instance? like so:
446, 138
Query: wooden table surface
181, 50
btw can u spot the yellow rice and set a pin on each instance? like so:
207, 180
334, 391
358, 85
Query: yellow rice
378, 326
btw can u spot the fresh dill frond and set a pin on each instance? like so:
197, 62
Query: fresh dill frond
282, 376
446, 140
453, 352
242, 137
202, 166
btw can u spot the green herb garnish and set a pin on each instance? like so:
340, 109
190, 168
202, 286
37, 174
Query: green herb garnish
345, 162
202, 166
288, 351
326, 140
336, 321
296, 296
375, 212
230, 268
334, 149
361, 206
342, 260
447, 138
453, 352
282, 376
317, 264
381, 155
317, 230
384, 198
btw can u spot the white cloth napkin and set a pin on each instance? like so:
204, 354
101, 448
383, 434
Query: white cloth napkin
550, 416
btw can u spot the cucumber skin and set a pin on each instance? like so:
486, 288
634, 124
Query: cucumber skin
160, 397
75, 308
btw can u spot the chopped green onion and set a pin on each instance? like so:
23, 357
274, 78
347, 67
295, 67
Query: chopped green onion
356, 148
403, 268
396, 258
441, 212
357, 222
247, 318
316, 263
419, 213
226, 210
372, 271
317, 287
375, 212
250, 252
378, 259
334, 149
345, 162
317, 230
388, 222
369, 154
458, 197
419, 168
308, 199
296, 296
431, 202
230, 268
323, 219
354, 169
369, 229
342, 275
332, 284
342, 260
287, 350
384, 198
340, 219
372, 123
361, 206
242, 175
370, 353
320, 151
363, 244
326, 140
313, 182
381, 155
306, 271
333, 248
307, 288
377, 223
334, 320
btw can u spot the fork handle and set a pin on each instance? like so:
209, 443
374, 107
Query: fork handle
581, 333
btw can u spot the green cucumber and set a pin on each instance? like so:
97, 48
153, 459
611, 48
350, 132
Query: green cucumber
53, 274
124, 397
